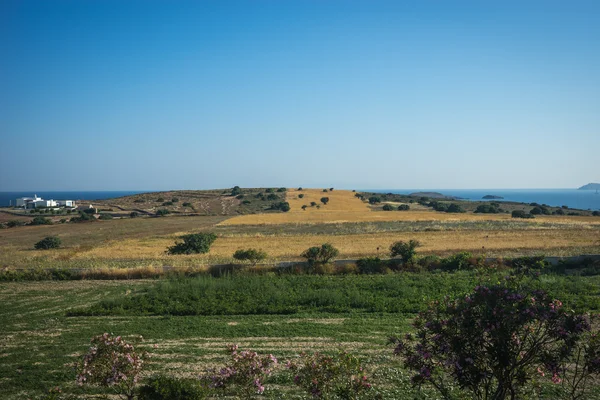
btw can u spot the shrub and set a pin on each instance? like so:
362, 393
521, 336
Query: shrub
324, 269
167, 203
312, 203
253, 256
301, 196
304, 207
388, 207
139, 201
488, 209
112, 362
14, 223
493, 341
175, 200
246, 371
330, 377
528, 266
163, 212
455, 208
39, 220
50, 242
236, 190
83, 217
187, 204
106, 217
170, 388
160, 200
403, 207
596, 213
560, 211
281, 190
458, 261
374, 200
269, 190
282, 206
521, 214
272, 196
325, 200
320, 255
194, 243
372, 265
405, 250
324, 190
246, 202
134, 214
300, 188
331, 189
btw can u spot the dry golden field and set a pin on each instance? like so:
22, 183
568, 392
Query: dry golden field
346, 222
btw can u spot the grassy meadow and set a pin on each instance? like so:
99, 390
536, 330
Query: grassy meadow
45, 327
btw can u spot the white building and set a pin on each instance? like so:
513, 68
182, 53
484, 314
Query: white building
36, 202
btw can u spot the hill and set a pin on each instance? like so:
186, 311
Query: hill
590, 186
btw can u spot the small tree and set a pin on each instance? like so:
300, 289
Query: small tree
50, 242
325, 200
312, 203
163, 212
455, 208
282, 190
304, 207
493, 341
320, 255
406, 250
105, 217
403, 207
194, 243
236, 191
114, 363
301, 196
374, 200
388, 207
253, 256
175, 200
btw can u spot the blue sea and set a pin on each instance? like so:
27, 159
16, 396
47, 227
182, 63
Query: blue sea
572, 198
7, 197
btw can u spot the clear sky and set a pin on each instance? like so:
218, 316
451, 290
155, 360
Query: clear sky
140, 95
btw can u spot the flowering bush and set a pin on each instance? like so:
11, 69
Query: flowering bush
114, 363
322, 376
246, 370
493, 342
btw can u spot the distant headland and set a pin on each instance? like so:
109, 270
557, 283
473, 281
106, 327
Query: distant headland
590, 186
492, 197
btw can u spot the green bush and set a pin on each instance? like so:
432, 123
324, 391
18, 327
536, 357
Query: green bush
374, 200
320, 255
304, 207
272, 196
170, 388
301, 196
405, 250
160, 200
134, 214
106, 217
194, 243
167, 203
388, 207
596, 213
50, 242
325, 200
312, 203
175, 200
163, 212
236, 190
269, 190
281, 189
282, 206
403, 207
458, 261
39, 220
372, 265
83, 217
186, 204
491, 208
253, 256
521, 214
139, 201
14, 223
455, 208
246, 202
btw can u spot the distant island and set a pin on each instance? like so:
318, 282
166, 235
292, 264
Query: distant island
590, 186
433, 195
492, 197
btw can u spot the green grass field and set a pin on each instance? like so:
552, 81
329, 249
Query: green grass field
46, 326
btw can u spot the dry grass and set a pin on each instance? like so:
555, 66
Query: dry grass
339, 200
150, 252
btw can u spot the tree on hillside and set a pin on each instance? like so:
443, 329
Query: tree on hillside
406, 250
325, 200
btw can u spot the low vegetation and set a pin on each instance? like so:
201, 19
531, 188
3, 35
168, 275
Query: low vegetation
194, 243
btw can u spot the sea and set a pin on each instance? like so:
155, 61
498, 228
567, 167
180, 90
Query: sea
572, 198
7, 197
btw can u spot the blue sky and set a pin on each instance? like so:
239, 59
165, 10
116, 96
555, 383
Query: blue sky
138, 95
